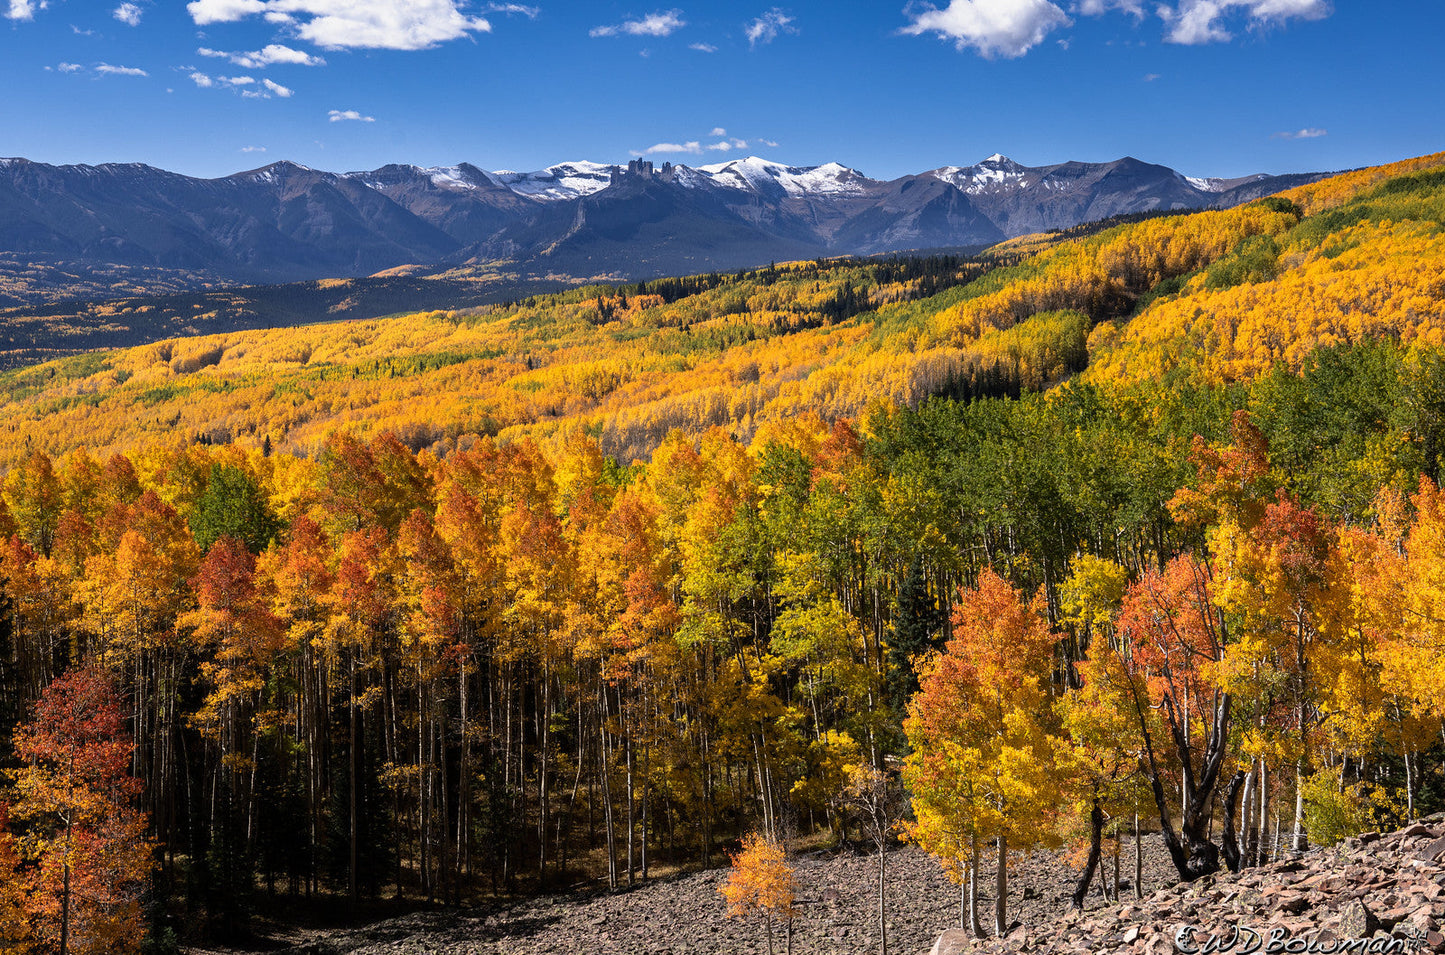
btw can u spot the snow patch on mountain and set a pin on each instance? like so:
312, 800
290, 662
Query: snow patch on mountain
761, 175
567, 180
1206, 185
690, 178
454, 177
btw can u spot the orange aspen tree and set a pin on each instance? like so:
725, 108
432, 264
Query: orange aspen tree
86, 859
761, 881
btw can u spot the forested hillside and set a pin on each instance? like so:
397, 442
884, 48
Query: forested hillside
1142, 525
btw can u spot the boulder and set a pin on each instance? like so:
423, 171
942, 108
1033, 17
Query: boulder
1294, 904
1357, 921
955, 941
1434, 852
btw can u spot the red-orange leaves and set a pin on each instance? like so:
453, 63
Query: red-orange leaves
85, 858
1170, 625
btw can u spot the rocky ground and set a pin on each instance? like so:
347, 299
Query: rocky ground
1374, 886
1378, 888
686, 914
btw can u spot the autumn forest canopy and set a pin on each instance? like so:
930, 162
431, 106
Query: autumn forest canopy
1139, 528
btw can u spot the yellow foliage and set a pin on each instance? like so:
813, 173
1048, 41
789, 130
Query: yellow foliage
1337, 190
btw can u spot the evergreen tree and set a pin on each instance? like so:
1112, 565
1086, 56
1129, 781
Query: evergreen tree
915, 630
232, 506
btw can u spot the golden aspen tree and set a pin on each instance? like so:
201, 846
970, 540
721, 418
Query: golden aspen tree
981, 732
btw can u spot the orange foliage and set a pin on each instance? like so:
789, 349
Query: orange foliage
761, 881
87, 859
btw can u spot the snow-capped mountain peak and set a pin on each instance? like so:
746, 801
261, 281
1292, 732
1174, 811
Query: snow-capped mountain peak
995, 172
271, 172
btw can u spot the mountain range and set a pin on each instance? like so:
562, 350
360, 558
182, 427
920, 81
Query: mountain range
285, 222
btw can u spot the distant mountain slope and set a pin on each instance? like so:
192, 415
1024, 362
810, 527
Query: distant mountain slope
285, 222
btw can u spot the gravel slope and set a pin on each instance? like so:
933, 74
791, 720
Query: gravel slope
686, 914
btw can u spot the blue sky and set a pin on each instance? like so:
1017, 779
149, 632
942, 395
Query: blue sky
1210, 87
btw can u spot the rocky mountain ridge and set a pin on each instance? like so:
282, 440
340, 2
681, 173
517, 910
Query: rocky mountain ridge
286, 222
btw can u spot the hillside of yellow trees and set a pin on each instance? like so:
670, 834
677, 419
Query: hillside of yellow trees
1144, 525
1222, 295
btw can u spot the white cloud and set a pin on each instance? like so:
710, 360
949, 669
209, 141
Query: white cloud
276, 53
23, 9
694, 147
718, 131
69, 67
247, 86
1287, 9
769, 26
723, 145
253, 149
260, 59
128, 13
105, 69
1151, 77
79, 32
223, 11
1097, 8
343, 115
769, 143
1008, 28
530, 13
388, 24
340, 24
1307, 133
1194, 22
702, 47
661, 23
